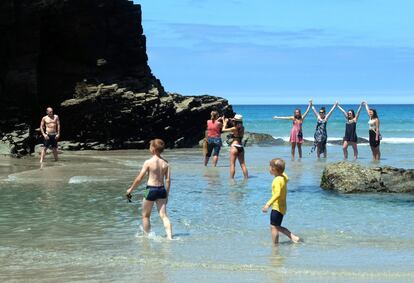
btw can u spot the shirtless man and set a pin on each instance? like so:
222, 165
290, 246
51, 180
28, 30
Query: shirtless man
158, 187
50, 129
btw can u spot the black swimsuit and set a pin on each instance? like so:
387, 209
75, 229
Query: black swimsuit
350, 132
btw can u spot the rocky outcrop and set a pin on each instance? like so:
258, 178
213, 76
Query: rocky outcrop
110, 117
17, 142
52, 51
346, 177
250, 139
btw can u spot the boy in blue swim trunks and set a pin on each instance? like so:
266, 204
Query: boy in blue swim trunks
158, 170
278, 201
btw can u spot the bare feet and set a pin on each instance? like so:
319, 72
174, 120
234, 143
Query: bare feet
295, 239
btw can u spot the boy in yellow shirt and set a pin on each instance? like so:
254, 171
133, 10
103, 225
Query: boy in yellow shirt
278, 201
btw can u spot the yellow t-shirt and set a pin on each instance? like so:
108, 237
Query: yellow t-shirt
279, 191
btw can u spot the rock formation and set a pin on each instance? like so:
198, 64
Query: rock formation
113, 118
52, 51
346, 177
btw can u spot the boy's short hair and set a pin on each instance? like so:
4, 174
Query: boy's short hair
158, 145
278, 164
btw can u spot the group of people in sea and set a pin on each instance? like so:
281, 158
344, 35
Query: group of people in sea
158, 170
216, 125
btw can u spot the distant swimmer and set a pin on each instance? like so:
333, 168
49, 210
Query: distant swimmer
350, 137
50, 129
321, 135
278, 201
158, 187
296, 134
236, 128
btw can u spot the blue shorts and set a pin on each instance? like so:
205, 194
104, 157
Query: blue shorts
153, 193
51, 142
213, 146
276, 218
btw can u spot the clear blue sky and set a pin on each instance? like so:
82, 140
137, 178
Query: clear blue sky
282, 52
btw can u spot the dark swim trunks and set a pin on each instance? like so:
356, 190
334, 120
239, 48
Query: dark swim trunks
51, 142
276, 218
153, 193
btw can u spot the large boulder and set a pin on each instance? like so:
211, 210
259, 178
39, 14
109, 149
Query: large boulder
108, 117
347, 177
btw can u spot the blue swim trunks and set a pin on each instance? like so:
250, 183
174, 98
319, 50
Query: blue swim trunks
153, 193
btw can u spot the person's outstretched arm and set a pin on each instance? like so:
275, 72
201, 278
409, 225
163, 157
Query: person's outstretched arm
343, 111
331, 111
366, 107
358, 112
282, 117
138, 179
307, 110
315, 112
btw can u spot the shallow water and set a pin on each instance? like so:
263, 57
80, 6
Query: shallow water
70, 222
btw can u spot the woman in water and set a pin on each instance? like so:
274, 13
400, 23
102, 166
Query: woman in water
296, 134
321, 135
236, 147
213, 134
350, 137
374, 132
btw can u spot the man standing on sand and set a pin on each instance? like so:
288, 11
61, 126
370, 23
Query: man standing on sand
50, 129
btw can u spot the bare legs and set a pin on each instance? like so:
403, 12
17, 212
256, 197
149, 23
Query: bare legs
55, 153
43, 154
215, 160
376, 154
235, 154
319, 149
243, 165
275, 234
146, 214
162, 211
354, 147
293, 144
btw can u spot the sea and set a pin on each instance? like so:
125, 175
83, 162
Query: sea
70, 221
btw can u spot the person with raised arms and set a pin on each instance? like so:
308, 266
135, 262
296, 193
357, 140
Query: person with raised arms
350, 137
374, 132
296, 134
321, 135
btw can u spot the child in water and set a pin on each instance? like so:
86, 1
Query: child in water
278, 201
158, 170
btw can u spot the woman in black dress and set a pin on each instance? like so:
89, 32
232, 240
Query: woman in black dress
350, 137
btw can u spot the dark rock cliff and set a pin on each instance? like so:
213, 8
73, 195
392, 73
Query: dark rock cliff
49, 48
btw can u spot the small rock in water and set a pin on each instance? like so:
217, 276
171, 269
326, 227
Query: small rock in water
347, 177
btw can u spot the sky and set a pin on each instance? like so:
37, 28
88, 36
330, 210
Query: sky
283, 52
